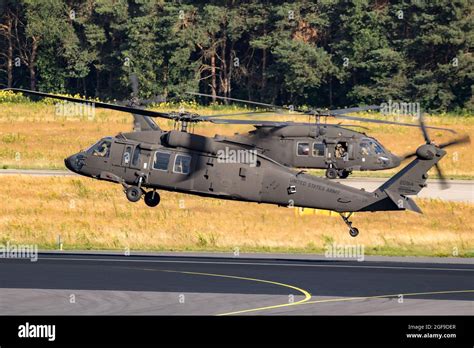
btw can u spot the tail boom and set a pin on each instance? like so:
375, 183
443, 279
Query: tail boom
393, 194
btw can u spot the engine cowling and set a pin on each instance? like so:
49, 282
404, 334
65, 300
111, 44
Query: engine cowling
189, 141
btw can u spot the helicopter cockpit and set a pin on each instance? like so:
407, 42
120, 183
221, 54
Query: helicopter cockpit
371, 147
101, 148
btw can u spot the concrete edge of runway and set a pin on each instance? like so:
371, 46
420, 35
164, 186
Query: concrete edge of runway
264, 256
62, 172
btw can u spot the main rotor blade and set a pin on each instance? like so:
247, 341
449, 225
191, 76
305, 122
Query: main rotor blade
352, 125
271, 123
292, 108
347, 110
235, 99
237, 114
97, 104
251, 122
371, 120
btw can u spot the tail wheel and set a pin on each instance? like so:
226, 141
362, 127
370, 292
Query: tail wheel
152, 198
133, 193
354, 232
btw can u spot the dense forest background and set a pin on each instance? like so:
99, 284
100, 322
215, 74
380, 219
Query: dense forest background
321, 53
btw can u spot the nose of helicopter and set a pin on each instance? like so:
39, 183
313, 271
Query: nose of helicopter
70, 163
74, 162
395, 161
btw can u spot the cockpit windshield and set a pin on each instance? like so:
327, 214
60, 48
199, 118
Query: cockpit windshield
101, 148
370, 147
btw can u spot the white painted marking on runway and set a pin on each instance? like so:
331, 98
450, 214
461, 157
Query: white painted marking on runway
258, 264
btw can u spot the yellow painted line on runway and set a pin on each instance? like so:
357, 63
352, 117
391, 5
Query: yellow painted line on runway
307, 295
389, 296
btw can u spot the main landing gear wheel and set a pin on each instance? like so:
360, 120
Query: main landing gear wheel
152, 198
331, 173
133, 193
344, 173
354, 232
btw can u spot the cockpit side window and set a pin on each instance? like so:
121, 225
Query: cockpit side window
378, 149
101, 149
368, 146
364, 148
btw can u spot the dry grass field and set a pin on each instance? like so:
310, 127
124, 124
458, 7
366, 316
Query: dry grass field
32, 136
96, 215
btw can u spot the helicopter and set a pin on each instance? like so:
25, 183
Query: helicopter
175, 160
336, 148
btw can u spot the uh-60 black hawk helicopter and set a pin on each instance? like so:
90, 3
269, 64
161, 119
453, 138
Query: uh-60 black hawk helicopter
316, 145
149, 160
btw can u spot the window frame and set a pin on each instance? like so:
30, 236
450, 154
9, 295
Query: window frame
176, 158
135, 162
167, 165
93, 150
127, 147
324, 149
298, 147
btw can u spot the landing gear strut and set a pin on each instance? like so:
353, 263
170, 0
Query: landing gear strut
353, 231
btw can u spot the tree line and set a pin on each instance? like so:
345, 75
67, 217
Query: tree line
324, 53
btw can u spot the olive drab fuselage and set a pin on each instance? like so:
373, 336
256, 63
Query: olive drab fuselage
317, 147
189, 163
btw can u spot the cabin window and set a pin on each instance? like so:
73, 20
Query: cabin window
127, 155
136, 157
303, 149
161, 160
318, 149
341, 150
182, 164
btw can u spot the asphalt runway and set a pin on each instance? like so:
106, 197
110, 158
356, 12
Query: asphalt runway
65, 283
459, 190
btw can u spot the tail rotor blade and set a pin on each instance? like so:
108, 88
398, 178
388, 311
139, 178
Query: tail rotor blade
464, 140
443, 182
458, 141
424, 130
134, 84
